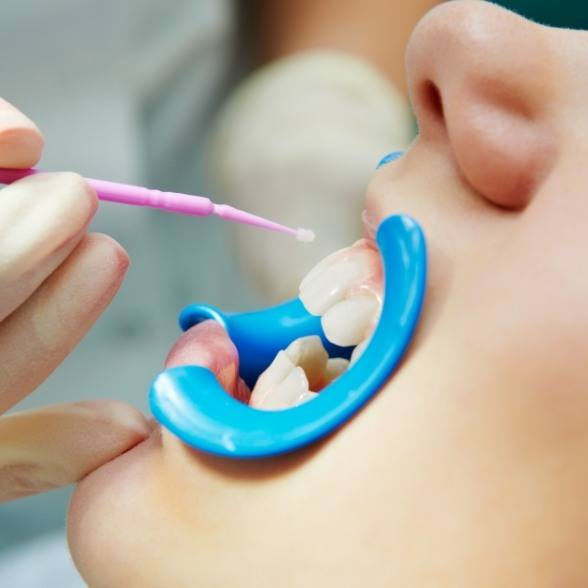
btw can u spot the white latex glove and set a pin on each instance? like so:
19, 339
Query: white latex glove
55, 280
297, 143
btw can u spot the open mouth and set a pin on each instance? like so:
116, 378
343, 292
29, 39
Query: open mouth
345, 290
362, 293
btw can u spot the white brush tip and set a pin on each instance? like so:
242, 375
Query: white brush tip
305, 235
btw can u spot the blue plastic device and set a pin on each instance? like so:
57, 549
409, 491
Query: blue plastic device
189, 401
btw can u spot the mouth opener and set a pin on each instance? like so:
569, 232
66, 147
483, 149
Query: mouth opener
189, 401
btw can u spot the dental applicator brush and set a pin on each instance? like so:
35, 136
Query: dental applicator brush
171, 202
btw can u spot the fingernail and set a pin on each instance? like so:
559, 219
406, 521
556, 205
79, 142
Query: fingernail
389, 158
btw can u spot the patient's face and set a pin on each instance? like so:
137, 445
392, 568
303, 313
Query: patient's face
470, 467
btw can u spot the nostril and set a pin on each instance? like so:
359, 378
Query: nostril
483, 85
432, 100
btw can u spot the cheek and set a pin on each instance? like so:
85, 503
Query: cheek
525, 340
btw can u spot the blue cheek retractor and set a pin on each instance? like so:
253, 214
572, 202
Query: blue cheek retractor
189, 401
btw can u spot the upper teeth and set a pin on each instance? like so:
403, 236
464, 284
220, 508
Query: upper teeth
347, 322
344, 290
336, 276
357, 352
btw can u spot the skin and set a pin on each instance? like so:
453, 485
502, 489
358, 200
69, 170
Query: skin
55, 281
469, 468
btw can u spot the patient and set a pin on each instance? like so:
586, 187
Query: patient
470, 467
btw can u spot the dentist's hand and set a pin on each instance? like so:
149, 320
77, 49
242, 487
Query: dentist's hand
297, 143
55, 281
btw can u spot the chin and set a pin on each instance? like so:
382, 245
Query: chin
105, 511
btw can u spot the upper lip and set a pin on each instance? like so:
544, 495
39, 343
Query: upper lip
369, 224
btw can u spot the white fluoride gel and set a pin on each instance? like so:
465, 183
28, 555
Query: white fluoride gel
305, 235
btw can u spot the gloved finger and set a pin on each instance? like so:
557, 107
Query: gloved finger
56, 446
208, 345
40, 334
21, 142
352, 115
42, 218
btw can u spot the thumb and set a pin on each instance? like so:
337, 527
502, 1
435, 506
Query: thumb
21, 142
56, 446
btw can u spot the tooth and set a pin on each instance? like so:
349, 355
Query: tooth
335, 367
332, 258
336, 276
357, 352
287, 393
311, 356
306, 397
271, 378
321, 265
331, 284
348, 322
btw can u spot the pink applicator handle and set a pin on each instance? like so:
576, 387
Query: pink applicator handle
169, 201
133, 195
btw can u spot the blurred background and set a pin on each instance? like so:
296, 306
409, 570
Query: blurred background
122, 91
127, 91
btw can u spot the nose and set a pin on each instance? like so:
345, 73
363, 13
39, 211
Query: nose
481, 84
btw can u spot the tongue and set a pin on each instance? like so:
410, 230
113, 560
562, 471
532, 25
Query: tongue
208, 345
